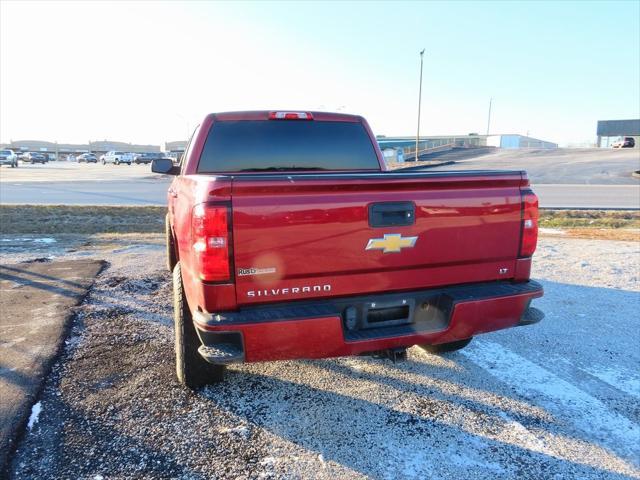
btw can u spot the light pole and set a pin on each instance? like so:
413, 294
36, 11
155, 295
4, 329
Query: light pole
419, 103
489, 118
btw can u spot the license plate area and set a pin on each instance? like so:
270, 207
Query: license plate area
397, 316
386, 314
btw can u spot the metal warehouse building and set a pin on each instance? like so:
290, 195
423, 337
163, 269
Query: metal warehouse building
610, 131
518, 141
406, 145
471, 140
67, 148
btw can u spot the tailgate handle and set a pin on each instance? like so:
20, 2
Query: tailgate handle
392, 214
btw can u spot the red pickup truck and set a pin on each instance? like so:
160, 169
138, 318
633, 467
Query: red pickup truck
288, 238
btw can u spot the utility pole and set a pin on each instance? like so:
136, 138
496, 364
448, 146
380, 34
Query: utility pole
419, 103
489, 119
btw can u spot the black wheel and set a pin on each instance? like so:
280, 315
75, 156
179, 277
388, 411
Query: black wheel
172, 258
447, 347
117, 162
13, 165
192, 370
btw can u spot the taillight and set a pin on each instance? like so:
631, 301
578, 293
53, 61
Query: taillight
210, 240
529, 223
290, 116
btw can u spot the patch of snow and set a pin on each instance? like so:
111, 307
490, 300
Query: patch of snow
557, 395
28, 239
241, 430
268, 461
551, 231
628, 382
45, 240
35, 413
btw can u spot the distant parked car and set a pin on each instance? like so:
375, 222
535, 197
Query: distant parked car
88, 158
117, 158
626, 142
34, 157
175, 156
146, 157
8, 157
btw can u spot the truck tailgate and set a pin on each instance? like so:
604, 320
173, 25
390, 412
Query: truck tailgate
305, 236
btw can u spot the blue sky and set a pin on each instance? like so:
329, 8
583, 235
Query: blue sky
552, 68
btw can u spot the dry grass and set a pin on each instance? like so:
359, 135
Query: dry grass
622, 234
593, 224
67, 219
589, 219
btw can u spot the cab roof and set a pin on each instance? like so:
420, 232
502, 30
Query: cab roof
264, 115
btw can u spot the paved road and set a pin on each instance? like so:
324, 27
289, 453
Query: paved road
153, 192
35, 300
588, 196
592, 166
73, 184
115, 192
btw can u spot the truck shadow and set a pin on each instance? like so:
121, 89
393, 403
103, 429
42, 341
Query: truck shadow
365, 414
380, 440
20, 271
25, 278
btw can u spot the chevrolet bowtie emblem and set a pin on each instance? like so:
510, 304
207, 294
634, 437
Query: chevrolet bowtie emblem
391, 243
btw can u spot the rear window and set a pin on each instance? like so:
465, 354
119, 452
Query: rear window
236, 146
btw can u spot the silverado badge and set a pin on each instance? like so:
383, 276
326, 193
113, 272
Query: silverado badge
391, 243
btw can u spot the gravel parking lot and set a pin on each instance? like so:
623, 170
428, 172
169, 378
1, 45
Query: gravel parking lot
554, 400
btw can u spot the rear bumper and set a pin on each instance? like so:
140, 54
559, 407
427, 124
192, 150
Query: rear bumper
319, 329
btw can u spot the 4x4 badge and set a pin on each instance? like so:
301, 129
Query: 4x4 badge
391, 243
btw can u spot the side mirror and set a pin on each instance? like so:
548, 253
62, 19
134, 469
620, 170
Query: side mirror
165, 166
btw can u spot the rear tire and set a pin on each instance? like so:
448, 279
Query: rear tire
447, 347
172, 258
192, 370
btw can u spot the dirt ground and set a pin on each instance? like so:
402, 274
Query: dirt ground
554, 400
